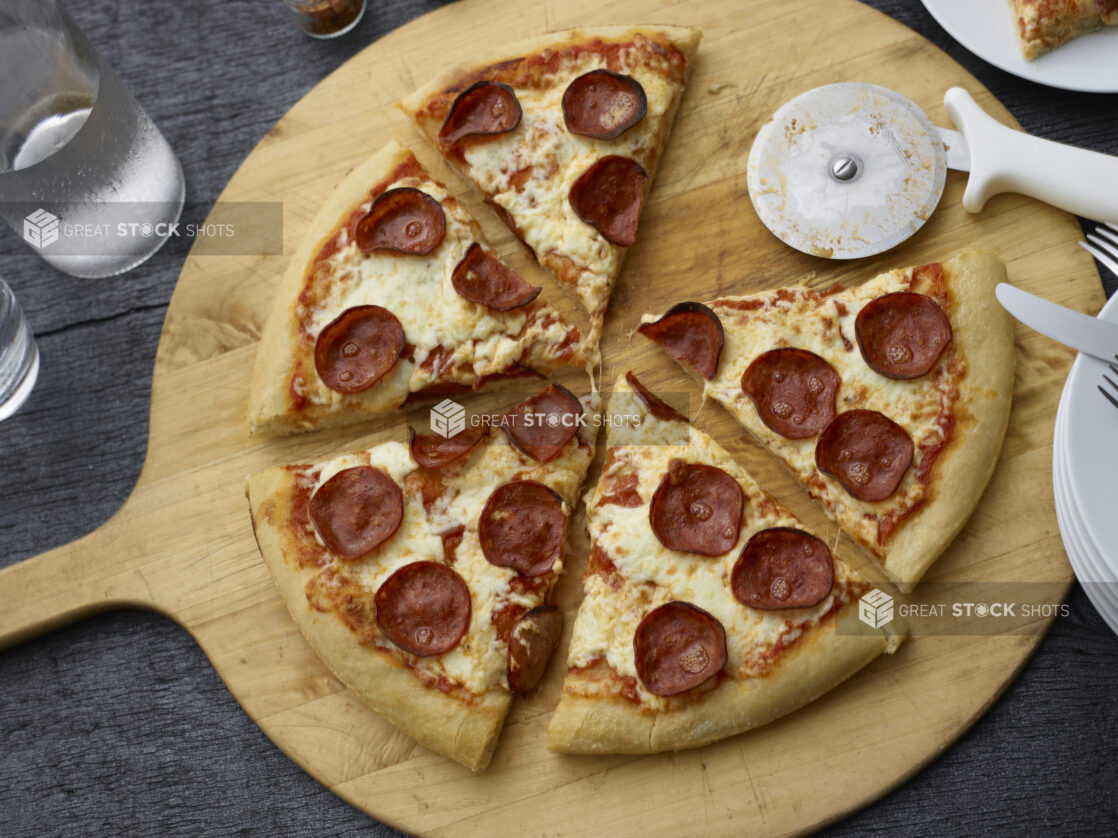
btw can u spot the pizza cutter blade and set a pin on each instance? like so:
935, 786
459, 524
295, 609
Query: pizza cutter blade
850, 170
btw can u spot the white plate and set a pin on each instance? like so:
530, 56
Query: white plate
1091, 452
1101, 590
1098, 581
987, 28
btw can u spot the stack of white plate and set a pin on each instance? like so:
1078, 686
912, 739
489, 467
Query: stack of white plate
1085, 478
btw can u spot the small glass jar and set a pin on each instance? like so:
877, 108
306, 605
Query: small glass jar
327, 18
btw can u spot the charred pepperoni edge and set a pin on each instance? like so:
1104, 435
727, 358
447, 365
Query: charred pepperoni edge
325, 354
938, 317
456, 599
543, 452
585, 198
580, 87
528, 657
686, 313
657, 513
486, 536
656, 406
826, 441
450, 137
322, 503
809, 566
675, 611
403, 199
784, 426
515, 294
431, 451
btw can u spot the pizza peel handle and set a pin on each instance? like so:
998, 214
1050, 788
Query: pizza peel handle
96, 573
1078, 180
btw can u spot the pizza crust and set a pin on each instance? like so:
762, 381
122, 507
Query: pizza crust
462, 732
816, 664
984, 333
1043, 25
683, 38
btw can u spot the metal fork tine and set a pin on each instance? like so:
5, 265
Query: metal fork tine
1102, 257
1113, 227
1107, 246
1109, 397
1107, 235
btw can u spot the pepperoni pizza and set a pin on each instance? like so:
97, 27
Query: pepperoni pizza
708, 608
395, 296
421, 573
888, 401
562, 135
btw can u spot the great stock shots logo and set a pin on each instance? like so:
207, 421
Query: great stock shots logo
40, 229
875, 609
448, 418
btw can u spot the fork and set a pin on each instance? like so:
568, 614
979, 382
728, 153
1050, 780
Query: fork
1113, 384
1103, 245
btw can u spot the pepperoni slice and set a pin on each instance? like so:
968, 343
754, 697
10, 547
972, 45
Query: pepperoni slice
783, 567
404, 220
431, 451
865, 451
697, 509
523, 527
603, 104
486, 108
692, 334
358, 348
482, 279
542, 425
531, 646
677, 647
793, 390
656, 406
902, 335
357, 510
424, 608
608, 196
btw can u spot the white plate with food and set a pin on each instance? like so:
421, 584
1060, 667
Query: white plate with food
1087, 63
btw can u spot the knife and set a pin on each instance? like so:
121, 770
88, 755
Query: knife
1089, 335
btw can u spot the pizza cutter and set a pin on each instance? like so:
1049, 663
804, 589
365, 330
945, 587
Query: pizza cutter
850, 170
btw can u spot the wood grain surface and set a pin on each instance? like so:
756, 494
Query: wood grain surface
181, 543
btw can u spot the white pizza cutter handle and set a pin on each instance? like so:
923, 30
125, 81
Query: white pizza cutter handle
1078, 180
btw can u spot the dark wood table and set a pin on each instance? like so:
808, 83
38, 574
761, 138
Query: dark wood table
118, 725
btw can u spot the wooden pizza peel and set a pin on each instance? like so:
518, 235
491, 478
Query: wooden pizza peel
182, 544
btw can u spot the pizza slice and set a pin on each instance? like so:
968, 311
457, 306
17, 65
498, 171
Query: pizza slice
708, 608
421, 573
888, 401
1043, 25
562, 135
394, 296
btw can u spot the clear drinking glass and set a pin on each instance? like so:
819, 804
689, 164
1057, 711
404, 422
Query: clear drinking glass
85, 176
19, 355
